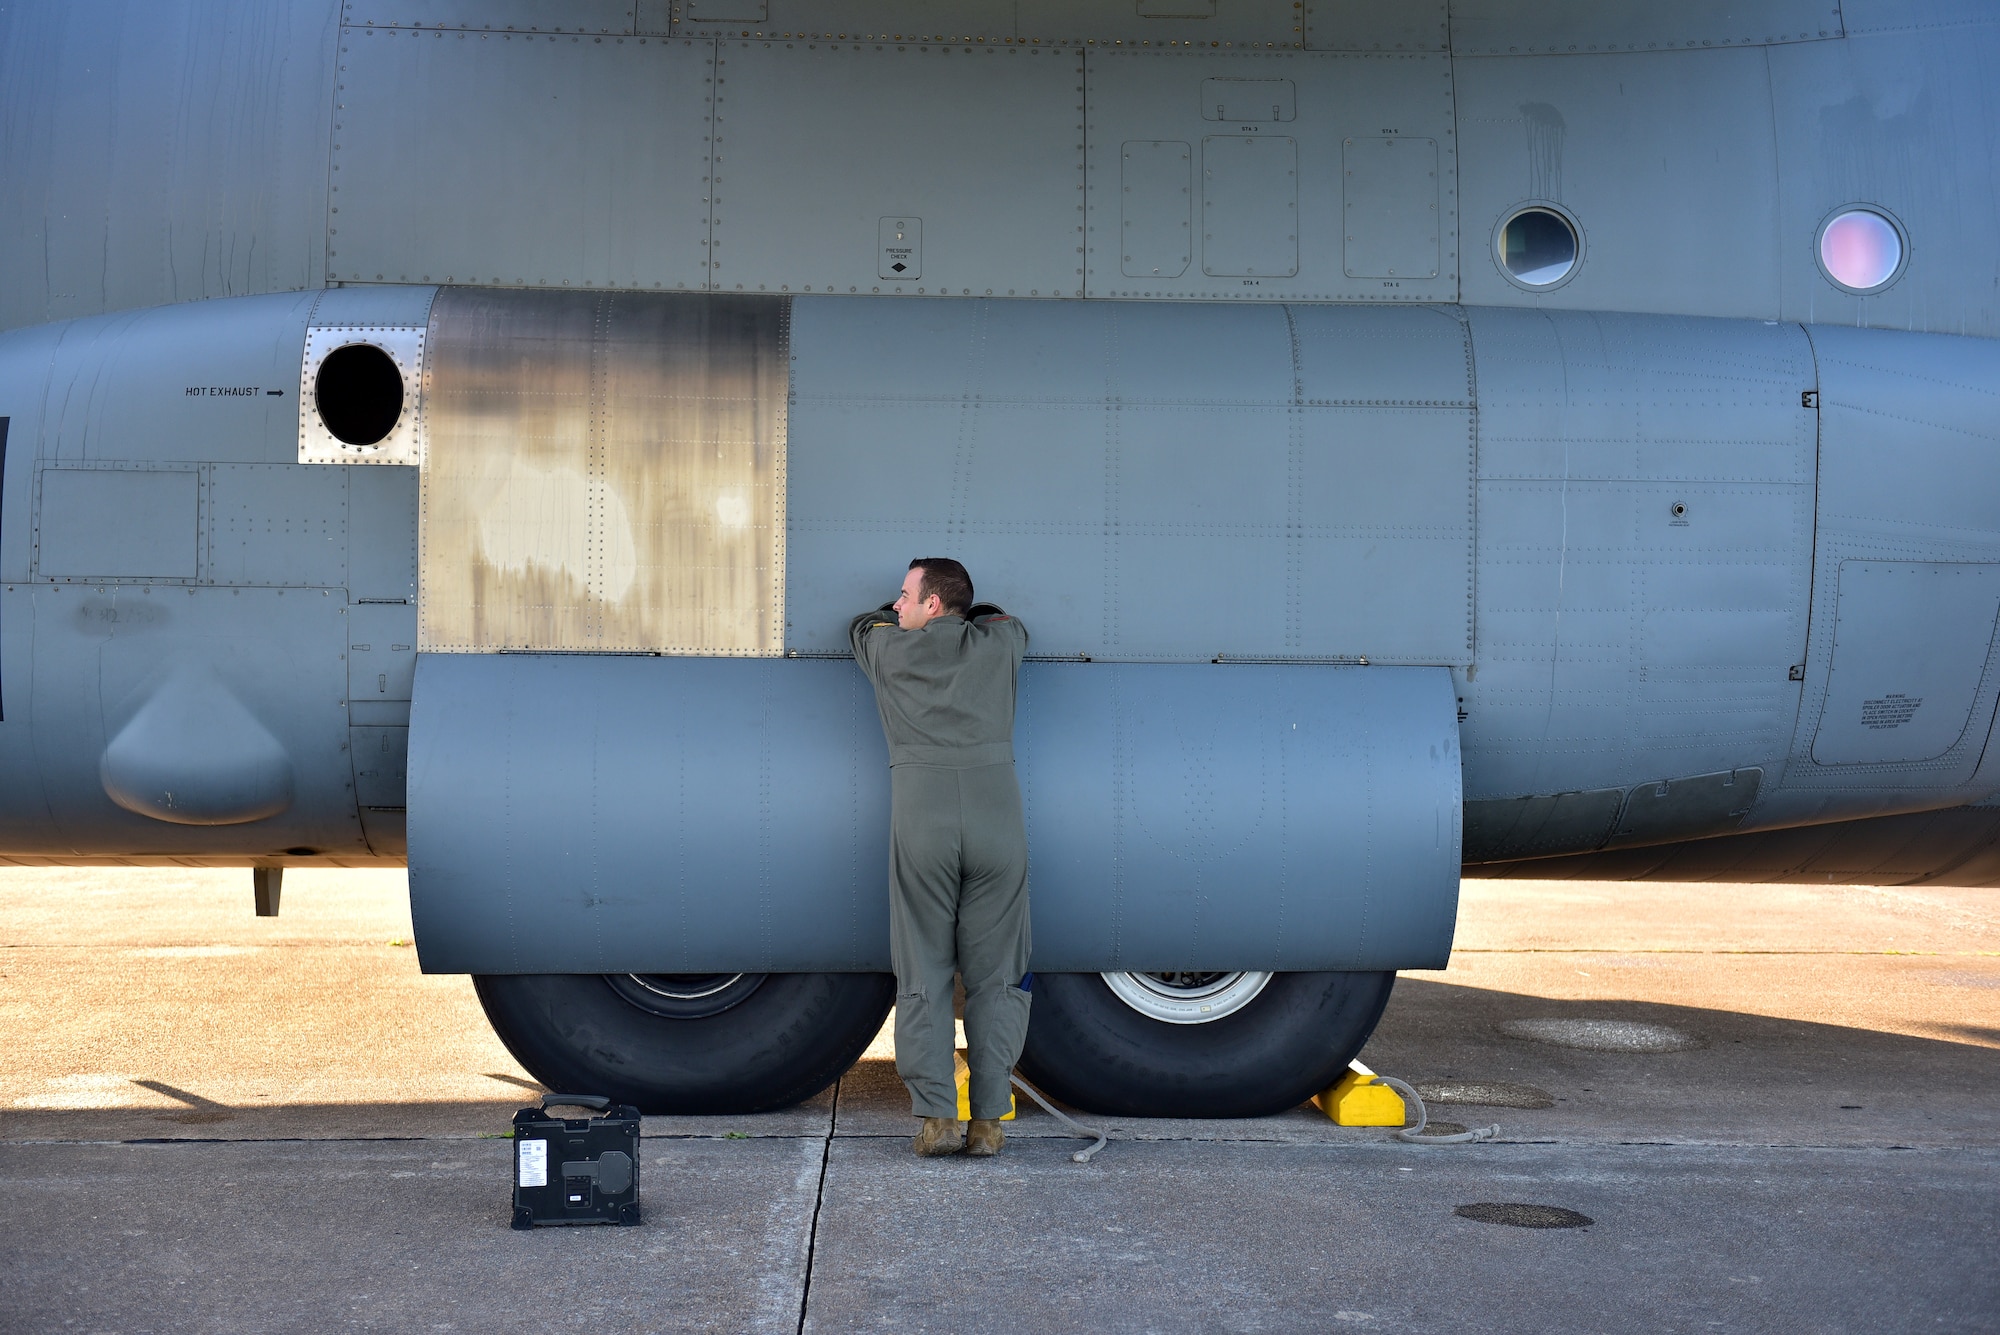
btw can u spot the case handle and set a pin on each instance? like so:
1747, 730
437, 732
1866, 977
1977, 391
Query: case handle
597, 1101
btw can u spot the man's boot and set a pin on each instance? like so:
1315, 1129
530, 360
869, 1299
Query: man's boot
940, 1136
985, 1138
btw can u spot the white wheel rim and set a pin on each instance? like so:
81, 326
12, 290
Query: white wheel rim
1186, 998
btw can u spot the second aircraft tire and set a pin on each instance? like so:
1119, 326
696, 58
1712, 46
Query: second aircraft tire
1094, 1051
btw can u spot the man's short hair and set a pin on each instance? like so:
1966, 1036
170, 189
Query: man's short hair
947, 579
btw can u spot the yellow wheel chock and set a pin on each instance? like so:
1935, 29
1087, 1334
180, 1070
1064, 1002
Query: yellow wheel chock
1358, 1100
964, 1075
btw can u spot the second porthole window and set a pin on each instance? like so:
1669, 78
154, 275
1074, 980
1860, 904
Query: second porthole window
1538, 247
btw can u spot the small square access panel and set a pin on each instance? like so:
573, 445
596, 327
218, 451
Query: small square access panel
900, 254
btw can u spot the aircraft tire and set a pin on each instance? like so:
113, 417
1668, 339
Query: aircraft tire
1293, 1038
787, 1038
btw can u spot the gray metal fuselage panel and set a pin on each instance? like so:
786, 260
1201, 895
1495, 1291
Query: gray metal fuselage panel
1698, 149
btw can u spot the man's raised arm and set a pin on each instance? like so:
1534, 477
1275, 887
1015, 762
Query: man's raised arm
883, 617
989, 614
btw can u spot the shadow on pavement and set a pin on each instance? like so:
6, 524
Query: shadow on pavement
1749, 1079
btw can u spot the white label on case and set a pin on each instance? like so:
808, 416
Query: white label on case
534, 1163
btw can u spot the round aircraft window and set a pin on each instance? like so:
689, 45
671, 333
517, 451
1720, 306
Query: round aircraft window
1537, 247
359, 392
1861, 249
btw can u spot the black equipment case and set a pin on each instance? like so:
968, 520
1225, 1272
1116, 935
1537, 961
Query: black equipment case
576, 1170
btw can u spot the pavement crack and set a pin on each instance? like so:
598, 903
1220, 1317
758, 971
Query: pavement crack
819, 1198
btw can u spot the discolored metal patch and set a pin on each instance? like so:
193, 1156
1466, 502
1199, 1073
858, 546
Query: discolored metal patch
604, 472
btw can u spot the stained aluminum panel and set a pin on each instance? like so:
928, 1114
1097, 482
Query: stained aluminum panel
449, 165
1140, 482
604, 472
601, 814
818, 142
1158, 95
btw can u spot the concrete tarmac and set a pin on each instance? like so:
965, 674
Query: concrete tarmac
213, 1122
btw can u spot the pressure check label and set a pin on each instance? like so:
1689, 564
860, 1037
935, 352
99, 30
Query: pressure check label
533, 1166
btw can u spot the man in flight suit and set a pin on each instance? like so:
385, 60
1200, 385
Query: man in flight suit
944, 672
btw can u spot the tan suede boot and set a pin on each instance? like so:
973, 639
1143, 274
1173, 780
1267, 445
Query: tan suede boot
940, 1136
985, 1138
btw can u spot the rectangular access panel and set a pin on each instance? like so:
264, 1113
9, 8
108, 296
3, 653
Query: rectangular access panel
1157, 209
450, 166
1391, 206
817, 142
1911, 641
1249, 206
594, 814
111, 523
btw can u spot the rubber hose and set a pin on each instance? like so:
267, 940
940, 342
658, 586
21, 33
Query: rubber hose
1081, 1156
1413, 1135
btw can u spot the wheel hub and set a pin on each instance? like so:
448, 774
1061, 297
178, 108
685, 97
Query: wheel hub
1187, 998
684, 996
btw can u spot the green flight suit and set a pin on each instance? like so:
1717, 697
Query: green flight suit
958, 850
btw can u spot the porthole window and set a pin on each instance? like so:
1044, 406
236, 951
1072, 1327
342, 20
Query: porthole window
359, 393
1861, 249
1537, 247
